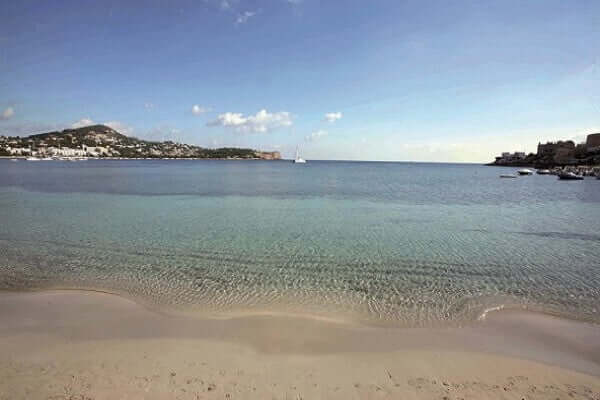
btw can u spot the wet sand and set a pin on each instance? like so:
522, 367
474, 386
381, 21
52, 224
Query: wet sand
88, 345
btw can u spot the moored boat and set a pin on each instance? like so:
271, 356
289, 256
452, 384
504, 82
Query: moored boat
570, 176
508, 176
298, 159
32, 159
543, 172
525, 171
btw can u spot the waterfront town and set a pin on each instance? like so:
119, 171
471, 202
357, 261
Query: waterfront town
555, 154
100, 141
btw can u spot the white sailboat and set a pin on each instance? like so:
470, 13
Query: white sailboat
298, 159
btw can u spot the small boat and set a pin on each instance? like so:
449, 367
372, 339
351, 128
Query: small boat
47, 159
570, 176
32, 159
543, 172
525, 171
14, 159
508, 176
298, 159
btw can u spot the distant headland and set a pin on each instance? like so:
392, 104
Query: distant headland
104, 142
555, 154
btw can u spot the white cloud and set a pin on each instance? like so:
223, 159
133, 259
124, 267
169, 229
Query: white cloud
198, 109
243, 17
29, 128
120, 127
82, 122
148, 106
581, 135
225, 5
116, 125
7, 113
315, 136
262, 122
333, 116
229, 119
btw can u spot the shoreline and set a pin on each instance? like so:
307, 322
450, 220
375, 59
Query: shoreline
146, 158
349, 318
74, 341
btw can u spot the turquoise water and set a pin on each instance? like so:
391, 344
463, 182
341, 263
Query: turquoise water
413, 244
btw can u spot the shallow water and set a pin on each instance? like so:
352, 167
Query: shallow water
414, 244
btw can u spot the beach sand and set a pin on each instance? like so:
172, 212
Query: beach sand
89, 345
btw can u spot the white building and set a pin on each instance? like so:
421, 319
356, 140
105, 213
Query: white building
65, 152
508, 157
19, 151
96, 151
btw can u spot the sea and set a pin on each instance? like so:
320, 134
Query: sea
406, 244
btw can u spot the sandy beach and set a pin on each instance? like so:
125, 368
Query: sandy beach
293, 200
88, 345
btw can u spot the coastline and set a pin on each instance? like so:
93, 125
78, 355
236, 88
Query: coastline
82, 343
152, 158
349, 317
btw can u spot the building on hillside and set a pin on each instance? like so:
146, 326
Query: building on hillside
19, 151
592, 144
564, 155
96, 151
507, 157
580, 150
65, 152
551, 148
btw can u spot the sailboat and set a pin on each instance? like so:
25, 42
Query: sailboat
298, 159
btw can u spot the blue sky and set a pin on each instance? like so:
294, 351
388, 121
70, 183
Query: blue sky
378, 80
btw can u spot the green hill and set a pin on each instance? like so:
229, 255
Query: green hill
104, 141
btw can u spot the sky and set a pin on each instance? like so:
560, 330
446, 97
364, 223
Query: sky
444, 81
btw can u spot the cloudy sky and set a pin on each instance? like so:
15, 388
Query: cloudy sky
370, 80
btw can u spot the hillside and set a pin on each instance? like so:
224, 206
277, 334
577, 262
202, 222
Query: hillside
101, 131
103, 141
